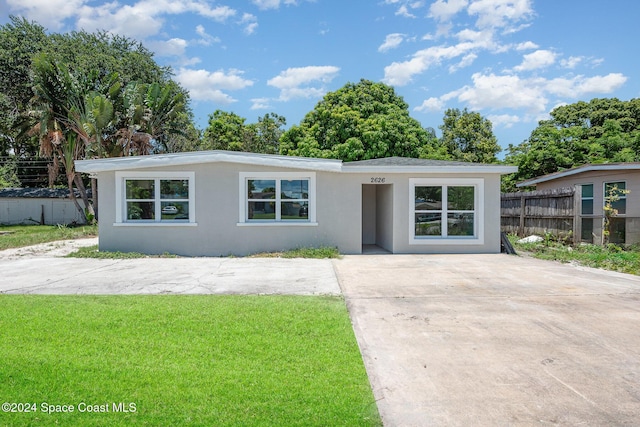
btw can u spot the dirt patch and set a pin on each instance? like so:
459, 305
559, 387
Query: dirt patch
58, 248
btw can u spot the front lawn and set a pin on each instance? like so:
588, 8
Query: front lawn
16, 236
181, 360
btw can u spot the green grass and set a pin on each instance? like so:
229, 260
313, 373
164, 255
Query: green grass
183, 360
16, 236
318, 253
93, 252
610, 257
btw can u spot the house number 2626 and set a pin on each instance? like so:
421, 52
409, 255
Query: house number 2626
377, 180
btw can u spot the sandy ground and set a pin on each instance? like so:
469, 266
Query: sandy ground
58, 248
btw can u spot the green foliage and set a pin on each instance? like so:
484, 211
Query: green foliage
469, 137
360, 121
598, 131
228, 131
184, 360
8, 175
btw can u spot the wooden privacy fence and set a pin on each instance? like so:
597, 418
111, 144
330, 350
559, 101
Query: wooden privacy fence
541, 212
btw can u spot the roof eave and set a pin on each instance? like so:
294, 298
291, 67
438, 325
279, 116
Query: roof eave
578, 170
179, 159
449, 169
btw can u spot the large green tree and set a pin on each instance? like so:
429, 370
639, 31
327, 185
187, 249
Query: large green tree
363, 120
152, 115
598, 131
228, 131
469, 137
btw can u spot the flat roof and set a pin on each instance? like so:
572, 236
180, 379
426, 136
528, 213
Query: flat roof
389, 164
580, 169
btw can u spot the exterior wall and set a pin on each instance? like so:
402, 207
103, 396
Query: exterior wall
339, 198
598, 179
217, 233
24, 210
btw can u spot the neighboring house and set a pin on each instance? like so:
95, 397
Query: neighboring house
593, 184
38, 206
218, 203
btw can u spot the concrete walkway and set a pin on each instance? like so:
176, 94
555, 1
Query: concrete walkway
495, 340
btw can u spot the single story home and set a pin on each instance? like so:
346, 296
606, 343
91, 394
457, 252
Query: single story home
594, 183
48, 206
218, 203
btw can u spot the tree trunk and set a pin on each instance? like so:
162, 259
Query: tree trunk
94, 196
89, 214
72, 194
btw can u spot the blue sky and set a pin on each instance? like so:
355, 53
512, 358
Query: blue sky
513, 61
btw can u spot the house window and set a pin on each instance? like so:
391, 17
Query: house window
446, 211
285, 198
613, 191
587, 199
155, 198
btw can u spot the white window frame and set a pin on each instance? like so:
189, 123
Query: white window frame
478, 217
243, 207
121, 193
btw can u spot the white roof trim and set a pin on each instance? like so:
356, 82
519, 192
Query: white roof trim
457, 169
306, 163
580, 169
177, 159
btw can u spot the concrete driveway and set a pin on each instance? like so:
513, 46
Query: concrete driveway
41, 270
495, 340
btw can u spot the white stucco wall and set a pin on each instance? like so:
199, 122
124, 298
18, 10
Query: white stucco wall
339, 216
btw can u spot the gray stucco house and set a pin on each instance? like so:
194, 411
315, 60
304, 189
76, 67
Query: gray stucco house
217, 203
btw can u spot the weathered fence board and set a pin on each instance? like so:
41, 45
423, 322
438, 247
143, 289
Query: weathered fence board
540, 212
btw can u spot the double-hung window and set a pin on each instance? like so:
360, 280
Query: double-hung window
165, 198
446, 211
284, 198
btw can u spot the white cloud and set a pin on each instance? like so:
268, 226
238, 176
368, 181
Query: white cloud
296, 82
500, 13
444, 11
272, 4
392, 41
431, 105
538, 59
205, 38
531, 95
260, 103
504, 120
250, 22
466, 61
528, 45
571, 62
171, 47
138, 20
50, 13
580, 86
401, 73
205, 85
404, 11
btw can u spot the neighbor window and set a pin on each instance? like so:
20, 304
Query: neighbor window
154, 198
446, 210
616, 192
587, 199
277, 198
